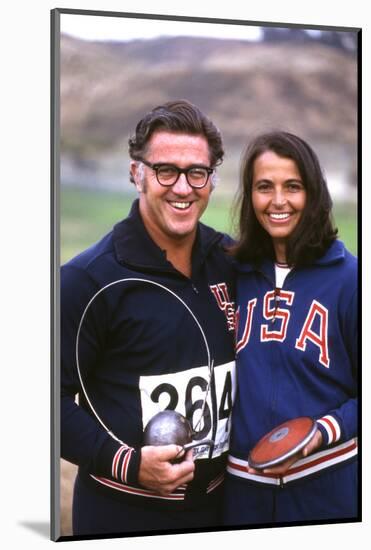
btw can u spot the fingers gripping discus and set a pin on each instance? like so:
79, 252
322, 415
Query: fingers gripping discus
282, 442
172, 421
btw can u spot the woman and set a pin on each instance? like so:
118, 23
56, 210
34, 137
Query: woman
296, 340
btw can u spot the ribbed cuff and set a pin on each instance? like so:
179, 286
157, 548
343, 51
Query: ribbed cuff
125, 465
329, 428
119, 462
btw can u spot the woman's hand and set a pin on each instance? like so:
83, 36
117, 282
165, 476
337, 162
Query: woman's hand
282, 468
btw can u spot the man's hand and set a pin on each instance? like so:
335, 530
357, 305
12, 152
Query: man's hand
156, 471
282, 468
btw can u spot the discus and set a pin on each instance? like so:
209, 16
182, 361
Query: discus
282, 442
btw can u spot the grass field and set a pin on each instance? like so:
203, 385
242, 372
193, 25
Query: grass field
87, 215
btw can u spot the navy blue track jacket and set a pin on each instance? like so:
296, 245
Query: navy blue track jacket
138, 350
297, 355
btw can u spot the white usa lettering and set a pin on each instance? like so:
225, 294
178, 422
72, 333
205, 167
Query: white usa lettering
316, 313
247, 330
220, 291
321, 339
270, 313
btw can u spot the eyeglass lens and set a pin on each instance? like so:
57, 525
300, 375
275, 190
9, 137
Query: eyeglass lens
168, 175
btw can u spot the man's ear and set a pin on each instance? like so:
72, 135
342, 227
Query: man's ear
137, 175
213, 181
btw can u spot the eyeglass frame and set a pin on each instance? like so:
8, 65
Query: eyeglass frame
155, 166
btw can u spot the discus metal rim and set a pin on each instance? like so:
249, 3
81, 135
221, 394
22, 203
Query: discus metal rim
278, 460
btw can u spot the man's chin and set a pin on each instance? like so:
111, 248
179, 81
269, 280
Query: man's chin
182, 233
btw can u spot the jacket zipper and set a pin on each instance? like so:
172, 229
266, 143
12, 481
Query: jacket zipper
277, 299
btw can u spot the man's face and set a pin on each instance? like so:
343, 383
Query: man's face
172, 213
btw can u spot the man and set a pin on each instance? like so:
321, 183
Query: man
147, 324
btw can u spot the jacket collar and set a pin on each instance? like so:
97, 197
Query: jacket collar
335, 253
133, 245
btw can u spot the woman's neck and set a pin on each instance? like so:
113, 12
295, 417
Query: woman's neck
280, 251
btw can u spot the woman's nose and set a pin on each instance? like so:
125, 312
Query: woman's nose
279, 197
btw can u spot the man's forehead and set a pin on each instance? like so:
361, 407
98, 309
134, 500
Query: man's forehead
174, 144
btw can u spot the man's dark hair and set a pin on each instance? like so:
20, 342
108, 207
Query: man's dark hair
176, 116
315, 230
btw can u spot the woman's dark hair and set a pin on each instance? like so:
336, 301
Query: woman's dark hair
176, 116
315, 230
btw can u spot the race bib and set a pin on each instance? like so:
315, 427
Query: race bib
185, 392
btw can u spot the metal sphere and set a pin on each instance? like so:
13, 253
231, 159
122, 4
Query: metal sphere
168, 427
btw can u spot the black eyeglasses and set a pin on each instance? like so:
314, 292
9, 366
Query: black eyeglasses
168, 174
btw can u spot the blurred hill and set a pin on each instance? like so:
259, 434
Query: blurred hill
309, 88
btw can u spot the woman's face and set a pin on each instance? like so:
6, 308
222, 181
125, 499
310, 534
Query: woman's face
278, 198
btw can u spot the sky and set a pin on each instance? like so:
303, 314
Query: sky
93, 27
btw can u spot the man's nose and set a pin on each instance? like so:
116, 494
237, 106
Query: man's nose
182, 187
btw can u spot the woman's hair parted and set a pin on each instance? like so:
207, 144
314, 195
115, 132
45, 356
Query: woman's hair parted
315, 230
179, 116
